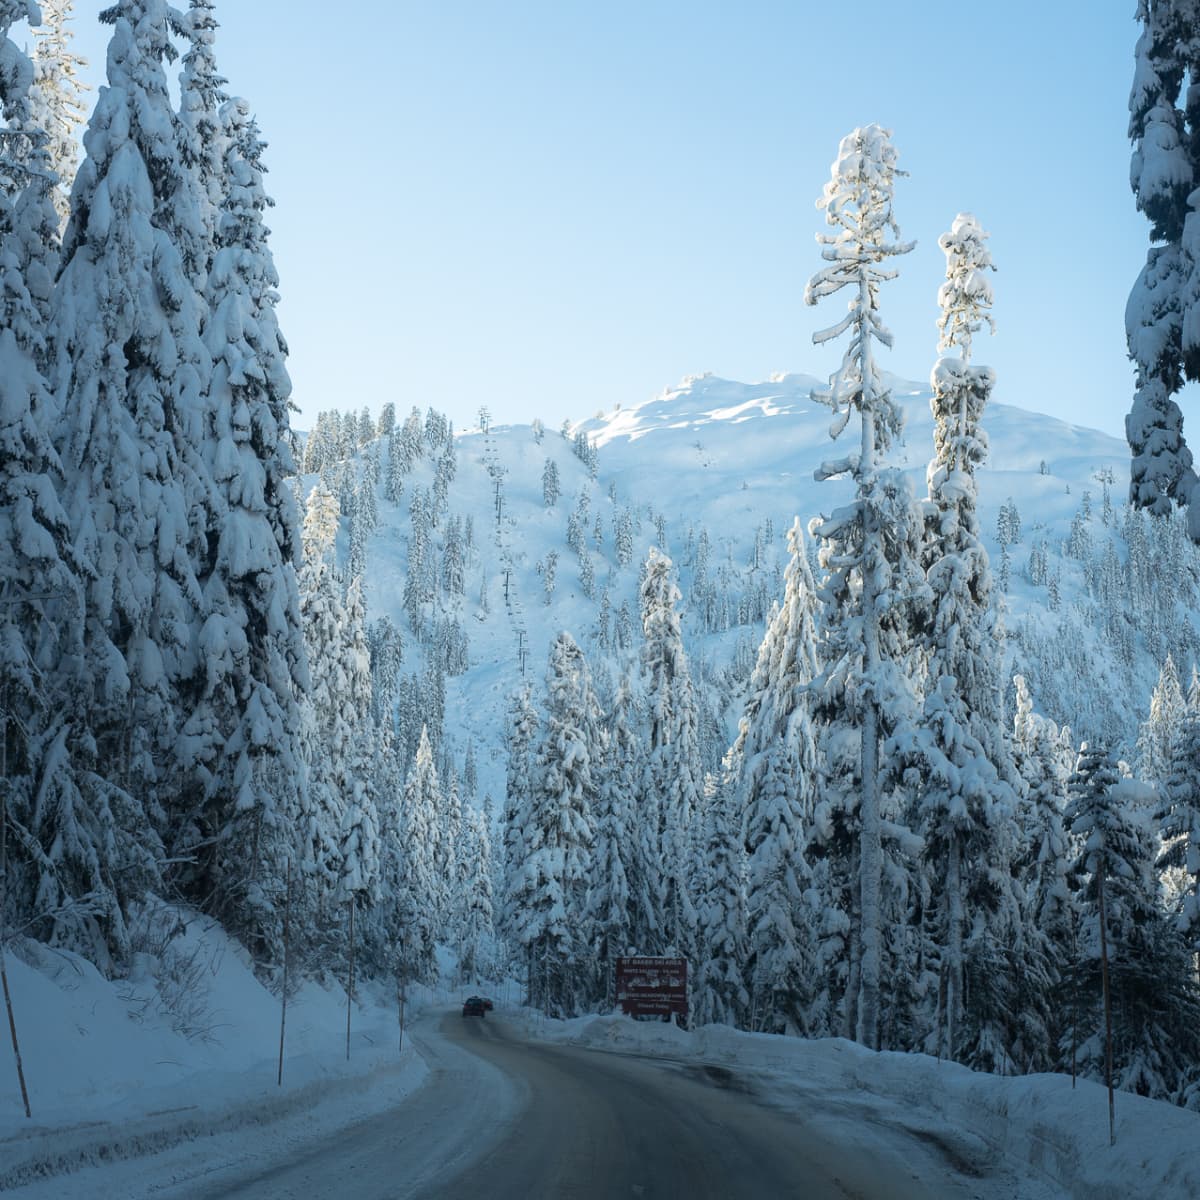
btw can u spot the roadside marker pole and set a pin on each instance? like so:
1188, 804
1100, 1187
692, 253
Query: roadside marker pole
12, 1021
287, 916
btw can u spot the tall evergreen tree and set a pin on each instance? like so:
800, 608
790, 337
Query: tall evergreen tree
1158, 733
523, 729
79, 849
774, 764
203, 141
475, 870
1163, 174
1180, 823
416, 904
57, 104
968, 799
246, 728
1155, 997
867, 542
560, 832
612, 913
720, 989
671, 782
129, 366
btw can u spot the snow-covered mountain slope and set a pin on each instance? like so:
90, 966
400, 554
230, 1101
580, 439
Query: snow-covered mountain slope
733, 463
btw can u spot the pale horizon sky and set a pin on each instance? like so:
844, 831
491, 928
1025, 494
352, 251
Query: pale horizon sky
551, 207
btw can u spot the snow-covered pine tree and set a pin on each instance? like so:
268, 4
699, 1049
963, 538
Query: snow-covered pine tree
79, 846
616, 851
474, 869
358, 849
447, 855
720, 989
129, 367
672, 777
56, 101
1180, 823
560, 832
866, 543
773, 767
328, 730
968, 797
1044, 758
1163, 175
415, 902
1155, 995
202, 138
245, 731
523, 733
1157, 734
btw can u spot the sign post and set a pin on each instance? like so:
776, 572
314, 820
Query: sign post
652, 987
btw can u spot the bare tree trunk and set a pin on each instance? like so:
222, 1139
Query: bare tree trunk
350, 982
12, 1021
854, 971
1108, 1046
955, 974
287, 919
871, 836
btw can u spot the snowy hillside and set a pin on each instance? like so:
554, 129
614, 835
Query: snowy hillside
721, 468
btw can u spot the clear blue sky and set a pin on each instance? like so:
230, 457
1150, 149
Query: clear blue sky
554, 206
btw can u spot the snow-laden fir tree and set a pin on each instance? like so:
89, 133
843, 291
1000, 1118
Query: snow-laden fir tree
523, 731
1155, 996
616, 850
416, 901
1044, 758
79, 846
128, 370
475, 868
773, 767
202, 137
1157, 734
867, 546
560, 831
719, 991
57, 98
1179, 813
246, 728
672, 777
968, 798
1163, 174
352, 777
329, 731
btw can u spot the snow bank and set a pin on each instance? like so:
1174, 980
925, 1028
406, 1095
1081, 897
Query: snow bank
1059, 1135
122, 1068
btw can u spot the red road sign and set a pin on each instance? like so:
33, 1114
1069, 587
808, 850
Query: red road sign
648, 986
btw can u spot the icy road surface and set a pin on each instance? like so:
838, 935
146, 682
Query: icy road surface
505, 1115
501, 1116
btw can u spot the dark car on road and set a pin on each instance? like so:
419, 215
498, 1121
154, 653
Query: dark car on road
474, 1006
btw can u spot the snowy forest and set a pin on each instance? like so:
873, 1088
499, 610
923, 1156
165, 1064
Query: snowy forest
883, 770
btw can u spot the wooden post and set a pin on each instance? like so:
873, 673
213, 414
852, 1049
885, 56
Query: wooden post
350, 982
12, 1021
287, 916
1108, 1052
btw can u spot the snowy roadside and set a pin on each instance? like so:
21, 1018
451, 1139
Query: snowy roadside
114, 1073
1054, 1138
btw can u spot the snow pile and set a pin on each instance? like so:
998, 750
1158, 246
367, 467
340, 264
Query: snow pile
124, 1067
1037, 1122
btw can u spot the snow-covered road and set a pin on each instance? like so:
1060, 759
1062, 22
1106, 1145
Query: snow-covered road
504, 1115
514, 1106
